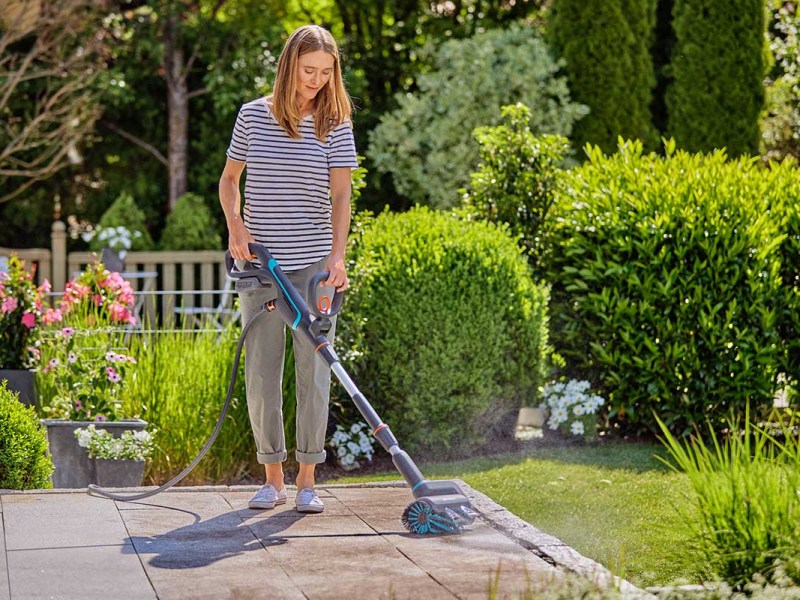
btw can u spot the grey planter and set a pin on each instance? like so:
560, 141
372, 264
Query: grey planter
73, 467
118, 473
22, 381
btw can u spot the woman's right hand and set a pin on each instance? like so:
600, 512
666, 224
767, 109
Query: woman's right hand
238, 240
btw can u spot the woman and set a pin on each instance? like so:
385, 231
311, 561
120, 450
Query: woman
297, 145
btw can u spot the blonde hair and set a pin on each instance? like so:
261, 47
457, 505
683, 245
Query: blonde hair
332, 106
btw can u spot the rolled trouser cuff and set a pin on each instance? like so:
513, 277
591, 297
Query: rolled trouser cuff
310, 458
271, 459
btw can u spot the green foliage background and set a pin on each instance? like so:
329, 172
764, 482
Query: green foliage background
606, 46
718, 67
426, 143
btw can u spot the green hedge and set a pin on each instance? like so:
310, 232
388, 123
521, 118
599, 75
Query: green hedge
190, 226
24, 462
607, 49
444, 330
667, 275
718, 68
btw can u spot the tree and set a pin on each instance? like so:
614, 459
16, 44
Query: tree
607, 49
717, 93
189, 45
51, 54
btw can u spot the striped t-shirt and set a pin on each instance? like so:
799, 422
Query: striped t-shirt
287, 205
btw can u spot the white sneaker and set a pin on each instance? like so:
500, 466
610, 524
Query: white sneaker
267, 497
309, 502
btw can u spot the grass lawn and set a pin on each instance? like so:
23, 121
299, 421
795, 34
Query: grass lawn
614, 503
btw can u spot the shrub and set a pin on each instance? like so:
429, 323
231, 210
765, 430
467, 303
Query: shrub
190, 226
717, 93
607, 51
24, 463
426, 143
666, 275
746, 491
126, 214
780, 123
444, 329
517, 177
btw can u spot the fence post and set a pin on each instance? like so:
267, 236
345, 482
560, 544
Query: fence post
58, 250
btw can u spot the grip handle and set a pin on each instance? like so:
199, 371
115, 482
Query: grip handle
323, 306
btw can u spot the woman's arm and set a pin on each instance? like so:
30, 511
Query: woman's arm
340, 220
230, 199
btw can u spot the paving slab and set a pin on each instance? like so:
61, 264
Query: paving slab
34, 521
88, 573
197, 543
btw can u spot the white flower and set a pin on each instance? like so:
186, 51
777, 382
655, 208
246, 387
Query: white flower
576, 428
578, 410
356, 427
341, 451
559, 415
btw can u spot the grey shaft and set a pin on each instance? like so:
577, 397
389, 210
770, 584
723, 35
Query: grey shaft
264, 359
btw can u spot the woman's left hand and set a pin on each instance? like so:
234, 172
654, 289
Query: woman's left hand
338, 274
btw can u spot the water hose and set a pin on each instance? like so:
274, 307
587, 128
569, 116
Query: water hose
439, 506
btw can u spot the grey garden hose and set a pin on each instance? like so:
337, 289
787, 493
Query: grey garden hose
94, 489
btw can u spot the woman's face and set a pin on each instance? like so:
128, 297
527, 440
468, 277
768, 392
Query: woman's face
314, 71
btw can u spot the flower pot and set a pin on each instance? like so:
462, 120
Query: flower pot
531, 416
118, 472
22, 381
73, 467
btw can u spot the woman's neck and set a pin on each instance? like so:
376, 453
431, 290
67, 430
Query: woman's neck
306, 107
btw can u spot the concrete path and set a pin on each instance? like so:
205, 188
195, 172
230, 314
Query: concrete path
203, 542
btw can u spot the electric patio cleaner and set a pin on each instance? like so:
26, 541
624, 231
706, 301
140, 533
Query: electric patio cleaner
439, 506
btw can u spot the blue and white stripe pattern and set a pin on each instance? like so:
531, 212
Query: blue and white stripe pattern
287, 186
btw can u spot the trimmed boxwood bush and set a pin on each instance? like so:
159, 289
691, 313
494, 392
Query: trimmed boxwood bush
125, 213
667, 278
190, 226
444, 329
24, 462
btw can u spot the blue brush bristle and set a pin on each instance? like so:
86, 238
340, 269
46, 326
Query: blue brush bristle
420, 518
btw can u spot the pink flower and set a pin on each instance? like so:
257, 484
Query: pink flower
52, 315
119, 313
100, 418
78, 405
97, 299
35, 352
67, 331
45, 287
113, 376
29, 320
72, 358
9, 305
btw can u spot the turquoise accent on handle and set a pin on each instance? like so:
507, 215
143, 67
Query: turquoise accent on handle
419, 483
272, 264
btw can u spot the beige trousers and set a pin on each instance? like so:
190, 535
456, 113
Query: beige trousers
264, 356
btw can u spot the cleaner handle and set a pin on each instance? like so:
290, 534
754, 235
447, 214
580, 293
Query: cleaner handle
259, 251
321, 305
